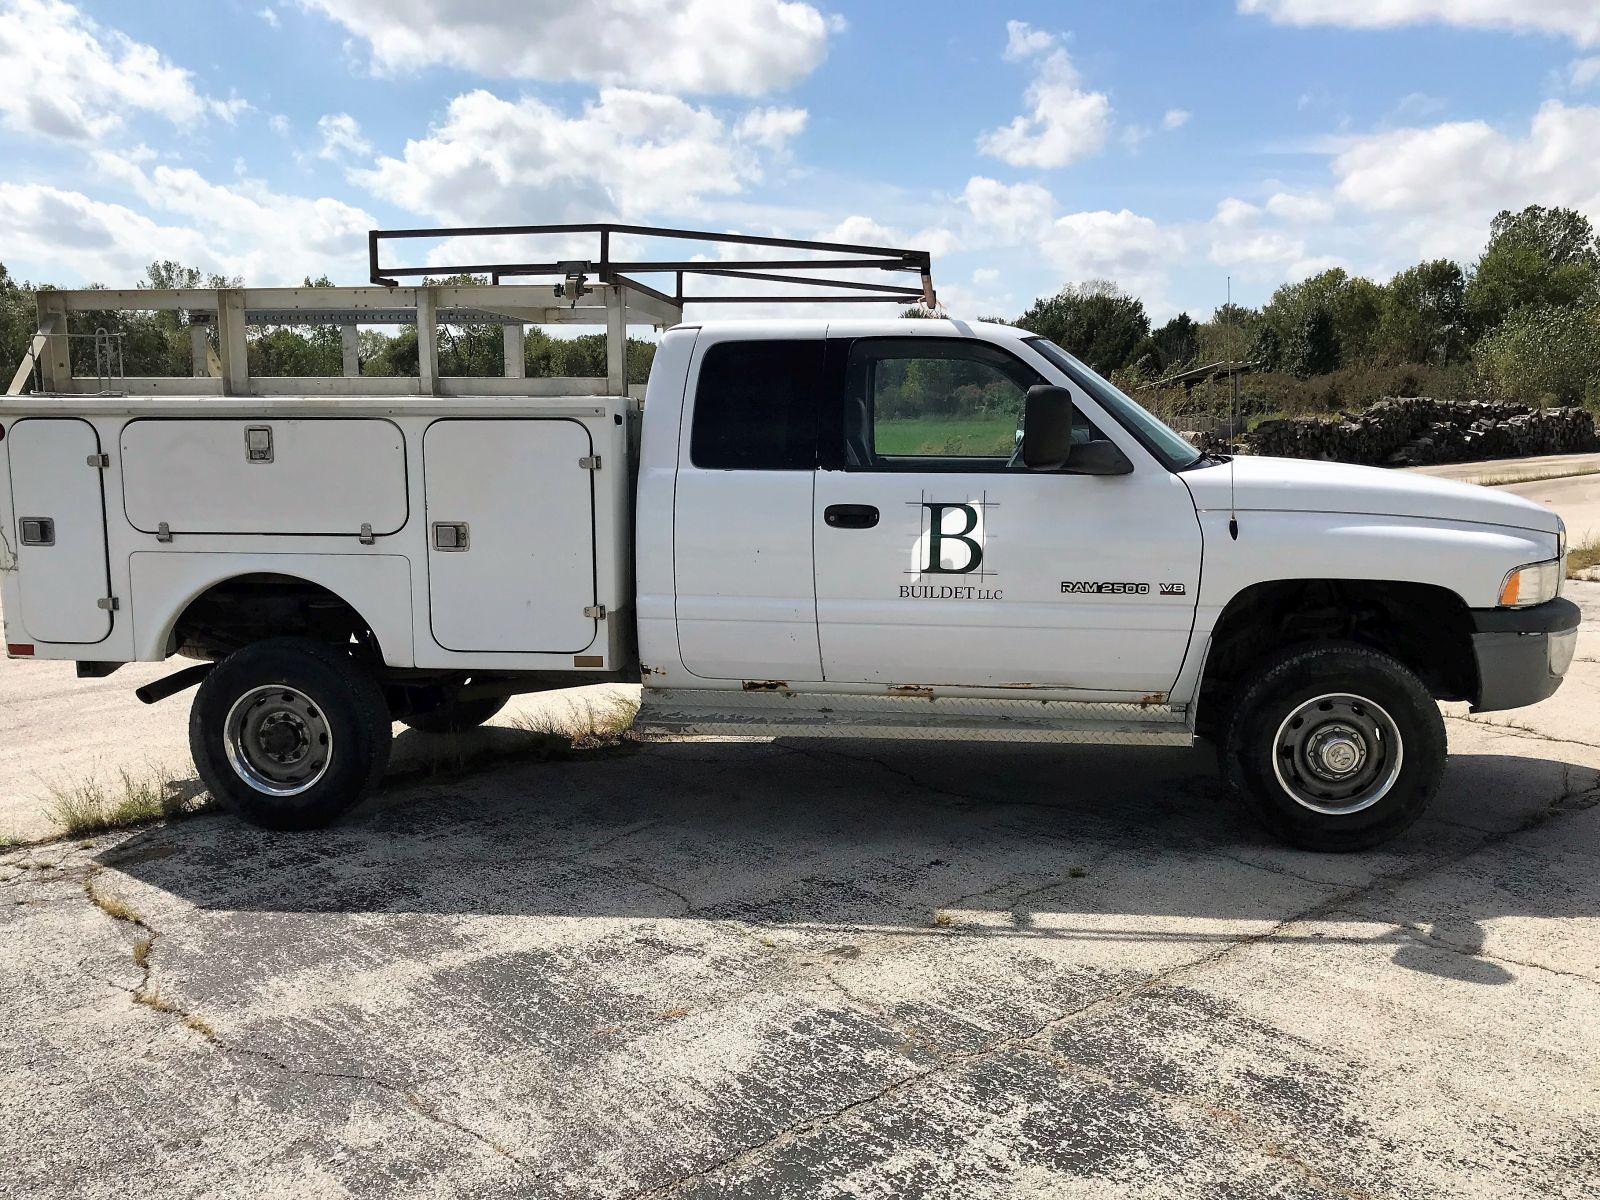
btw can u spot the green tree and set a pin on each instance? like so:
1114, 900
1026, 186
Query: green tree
1424, 315
1178, 341
1539, 256
1230, 334
1096, 321
1543, 355
1357, 314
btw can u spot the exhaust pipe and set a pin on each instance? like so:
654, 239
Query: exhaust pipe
160, 689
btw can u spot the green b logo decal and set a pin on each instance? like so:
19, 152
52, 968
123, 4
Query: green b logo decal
938, 535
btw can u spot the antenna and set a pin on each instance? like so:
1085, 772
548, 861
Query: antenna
1233, 433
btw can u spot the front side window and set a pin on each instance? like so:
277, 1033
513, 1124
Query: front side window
755, 406
929, 403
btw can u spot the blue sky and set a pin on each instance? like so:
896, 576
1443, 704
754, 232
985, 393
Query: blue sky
1163, 144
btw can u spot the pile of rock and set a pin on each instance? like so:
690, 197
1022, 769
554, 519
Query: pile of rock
1417, 431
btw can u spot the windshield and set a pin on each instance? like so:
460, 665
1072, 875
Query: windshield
1153, 434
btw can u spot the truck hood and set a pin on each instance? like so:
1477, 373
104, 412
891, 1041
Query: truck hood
1302, 485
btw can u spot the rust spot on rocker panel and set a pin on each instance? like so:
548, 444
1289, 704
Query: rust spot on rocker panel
1152, 699
766, 685
646, 670
913, 691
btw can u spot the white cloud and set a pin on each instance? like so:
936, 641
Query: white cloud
269, 15
247, 228
1300, 209
1438, 187
1233, 212
745, 47
279, 124
342, 138
96, 241
1575, 19
1584, 71
1175, 118
1064, 122
1132, 251
1013, 212
628, 154
68, 78
772, 128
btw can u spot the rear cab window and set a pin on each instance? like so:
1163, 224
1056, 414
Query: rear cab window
756, 404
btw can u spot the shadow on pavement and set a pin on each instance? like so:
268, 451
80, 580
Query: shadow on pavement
1097, 844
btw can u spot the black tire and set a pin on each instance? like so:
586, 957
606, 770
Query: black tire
289, 733
1303, 716
455, 716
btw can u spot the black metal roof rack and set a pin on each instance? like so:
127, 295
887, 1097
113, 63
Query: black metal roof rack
840, 256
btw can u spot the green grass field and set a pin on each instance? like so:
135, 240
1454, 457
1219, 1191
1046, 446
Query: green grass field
947, 435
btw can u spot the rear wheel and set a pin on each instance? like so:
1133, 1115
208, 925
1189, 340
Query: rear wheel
289, 733
455, 716
1334, 747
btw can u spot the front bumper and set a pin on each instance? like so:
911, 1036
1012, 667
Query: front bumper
1522, 653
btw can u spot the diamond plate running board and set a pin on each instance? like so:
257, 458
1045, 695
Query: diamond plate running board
786, 714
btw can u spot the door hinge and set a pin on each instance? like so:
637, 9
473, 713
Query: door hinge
100, 461
109, 603
163, 532
366, 534
590, 462
597, 612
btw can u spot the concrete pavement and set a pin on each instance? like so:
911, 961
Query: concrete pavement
813, 969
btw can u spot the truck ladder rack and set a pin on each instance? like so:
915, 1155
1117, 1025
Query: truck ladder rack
601, 290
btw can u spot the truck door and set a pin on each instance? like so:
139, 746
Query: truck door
63, 576
746, 601
938, 561
511, 544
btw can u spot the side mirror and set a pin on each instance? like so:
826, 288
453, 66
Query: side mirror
1046, 428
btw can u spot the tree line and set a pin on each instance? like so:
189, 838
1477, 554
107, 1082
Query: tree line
1522, 322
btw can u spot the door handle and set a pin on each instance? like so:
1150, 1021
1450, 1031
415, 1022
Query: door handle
850, 516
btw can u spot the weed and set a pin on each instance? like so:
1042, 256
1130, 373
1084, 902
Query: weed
201, 1026
112, 905
673, 1014
151, 998
1582, 558
94, 805
942, 918
585, 724
1078, 872
141, 952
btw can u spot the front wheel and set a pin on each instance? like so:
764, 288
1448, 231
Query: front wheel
1335, 747
289, 733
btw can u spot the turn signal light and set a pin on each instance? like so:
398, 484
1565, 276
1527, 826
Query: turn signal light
19, 650
1530, 585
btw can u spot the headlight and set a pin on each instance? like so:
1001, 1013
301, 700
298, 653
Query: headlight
1532, 584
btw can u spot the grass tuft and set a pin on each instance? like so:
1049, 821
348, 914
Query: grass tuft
587, 724
95, 805
114, 906
1582, 558
141, 951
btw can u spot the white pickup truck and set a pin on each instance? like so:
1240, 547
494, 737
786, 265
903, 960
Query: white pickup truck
870, 528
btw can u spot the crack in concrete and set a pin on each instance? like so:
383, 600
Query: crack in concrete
1523, 731
146, 994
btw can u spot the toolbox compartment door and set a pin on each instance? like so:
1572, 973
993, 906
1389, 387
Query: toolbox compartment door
63, 576
511, 538
258, 475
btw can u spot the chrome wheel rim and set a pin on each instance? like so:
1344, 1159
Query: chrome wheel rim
1337, 754
278, 740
